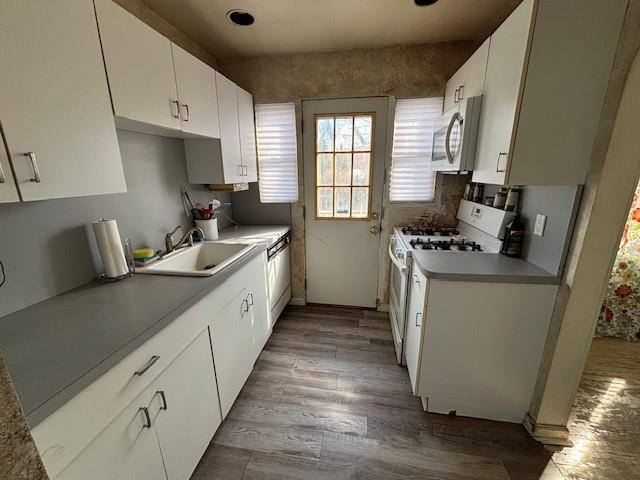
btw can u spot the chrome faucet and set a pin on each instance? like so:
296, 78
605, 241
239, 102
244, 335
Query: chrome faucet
187, 237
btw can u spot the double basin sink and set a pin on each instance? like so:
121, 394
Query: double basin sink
201, 260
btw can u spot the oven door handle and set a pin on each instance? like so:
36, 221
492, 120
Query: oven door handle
401, 266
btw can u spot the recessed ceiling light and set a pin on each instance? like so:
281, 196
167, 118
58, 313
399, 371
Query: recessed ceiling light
424, 3
240, 17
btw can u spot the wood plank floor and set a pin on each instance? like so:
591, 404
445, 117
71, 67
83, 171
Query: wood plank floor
605, 421
327, 401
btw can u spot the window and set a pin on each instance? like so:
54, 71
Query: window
277, 152
411, 177
344, 147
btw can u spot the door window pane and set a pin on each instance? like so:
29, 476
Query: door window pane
361, 168
325, 169
360, 202
324, 135
362, 133
344, 134
343, 169
343, 165
343, 202
325, 202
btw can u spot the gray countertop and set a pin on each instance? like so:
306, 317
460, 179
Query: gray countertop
56, 348
254, 233
480, 267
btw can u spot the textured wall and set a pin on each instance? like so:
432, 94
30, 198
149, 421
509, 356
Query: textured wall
401, 71
155, 21
19, 459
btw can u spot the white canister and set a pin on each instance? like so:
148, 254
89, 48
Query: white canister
209, 228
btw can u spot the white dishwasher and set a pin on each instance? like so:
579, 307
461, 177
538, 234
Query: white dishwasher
279, 272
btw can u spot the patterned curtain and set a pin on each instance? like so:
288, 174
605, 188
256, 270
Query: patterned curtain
620, 314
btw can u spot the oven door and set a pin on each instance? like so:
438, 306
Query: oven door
398, 290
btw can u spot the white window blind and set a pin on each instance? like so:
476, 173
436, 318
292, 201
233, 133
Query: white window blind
412, 179
277, 152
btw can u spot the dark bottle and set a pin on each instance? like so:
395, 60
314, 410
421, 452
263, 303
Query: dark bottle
513, 238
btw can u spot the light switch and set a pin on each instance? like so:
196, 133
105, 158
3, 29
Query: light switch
538, 228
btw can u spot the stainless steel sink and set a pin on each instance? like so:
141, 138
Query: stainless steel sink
202, 260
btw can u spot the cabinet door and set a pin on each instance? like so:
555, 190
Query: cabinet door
501, 91
8, 189
246, 121
139, 66
197, 94
229, 130
127, 449
54, 98
415, 322
452, 89
473, 73
259, 311
231, 339
186, 408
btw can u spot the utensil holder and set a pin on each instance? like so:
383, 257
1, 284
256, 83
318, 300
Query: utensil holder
209, 228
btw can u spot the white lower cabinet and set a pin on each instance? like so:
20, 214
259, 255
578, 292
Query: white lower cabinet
163, 433
415, 325
185, 408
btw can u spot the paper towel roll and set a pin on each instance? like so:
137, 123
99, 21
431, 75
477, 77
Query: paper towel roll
110, 246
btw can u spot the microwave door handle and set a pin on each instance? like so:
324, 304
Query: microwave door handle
395, 260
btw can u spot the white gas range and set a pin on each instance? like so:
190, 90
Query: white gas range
478, 231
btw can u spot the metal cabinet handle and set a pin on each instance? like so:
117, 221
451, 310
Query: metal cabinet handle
456, 95
186, 107
460, 92
149, 364
34, 164
418, 316
3, 179
177, 111
147, 417
164, 399
250, 297
244, 307
245, 169
500, 155
416, 279
240, 170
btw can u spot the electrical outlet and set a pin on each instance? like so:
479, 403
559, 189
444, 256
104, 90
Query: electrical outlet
538, 228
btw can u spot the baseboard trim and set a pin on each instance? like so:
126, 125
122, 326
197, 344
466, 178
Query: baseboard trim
298, 301
383, 307
551, 435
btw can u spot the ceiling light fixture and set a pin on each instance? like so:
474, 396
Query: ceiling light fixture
424, 3
240, 17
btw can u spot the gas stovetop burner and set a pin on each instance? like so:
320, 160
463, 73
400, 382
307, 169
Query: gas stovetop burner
446, 245
431, 231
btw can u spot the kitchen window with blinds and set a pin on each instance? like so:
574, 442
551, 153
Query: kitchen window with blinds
277, 152
412, 179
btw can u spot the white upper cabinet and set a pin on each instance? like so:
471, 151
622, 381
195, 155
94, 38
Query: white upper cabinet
54, 103
468, 81
229, 130
547, 74
140, 69
8, 189
246, 121
196, 93
502, 86
232, 159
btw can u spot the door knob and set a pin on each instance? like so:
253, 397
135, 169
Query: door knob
374, 229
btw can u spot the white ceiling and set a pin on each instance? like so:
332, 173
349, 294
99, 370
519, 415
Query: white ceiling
293, 26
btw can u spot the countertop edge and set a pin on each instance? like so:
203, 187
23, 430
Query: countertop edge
45, 409
489, 278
